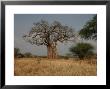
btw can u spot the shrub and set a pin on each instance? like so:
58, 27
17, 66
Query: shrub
27, 55
82, 50
16, 52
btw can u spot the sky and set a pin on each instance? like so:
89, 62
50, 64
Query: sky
24, 22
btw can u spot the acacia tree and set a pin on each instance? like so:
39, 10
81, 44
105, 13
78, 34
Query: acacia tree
43, 33
82, 50
89, 31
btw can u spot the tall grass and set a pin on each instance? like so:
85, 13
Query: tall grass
44, 67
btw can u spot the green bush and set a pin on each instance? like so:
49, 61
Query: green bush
82, 50
16, 52
27, 54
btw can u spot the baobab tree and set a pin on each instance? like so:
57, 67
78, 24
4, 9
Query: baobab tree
43, 33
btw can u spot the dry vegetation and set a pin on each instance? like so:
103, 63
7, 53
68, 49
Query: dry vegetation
59, 67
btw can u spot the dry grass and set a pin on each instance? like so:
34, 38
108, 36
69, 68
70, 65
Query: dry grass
59, 67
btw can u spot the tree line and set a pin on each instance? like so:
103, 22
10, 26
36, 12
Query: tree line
81, 51
18, 54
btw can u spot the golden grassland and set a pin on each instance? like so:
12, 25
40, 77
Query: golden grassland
54, 67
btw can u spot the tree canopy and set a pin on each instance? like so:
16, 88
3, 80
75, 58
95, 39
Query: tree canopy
89, 31
16, 52
82, 50
43, 33
28, 54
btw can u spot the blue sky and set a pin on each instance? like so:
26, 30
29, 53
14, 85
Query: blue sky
24, 22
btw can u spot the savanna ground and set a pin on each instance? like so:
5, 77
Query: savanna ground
54, 67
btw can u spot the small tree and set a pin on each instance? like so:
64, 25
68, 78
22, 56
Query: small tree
16, 52
82, 50
43, 33
20, 55
89, 31
28, 54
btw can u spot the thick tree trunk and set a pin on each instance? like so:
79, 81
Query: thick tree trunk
52, 51
49, 51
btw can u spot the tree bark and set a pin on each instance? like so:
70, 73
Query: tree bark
52, 51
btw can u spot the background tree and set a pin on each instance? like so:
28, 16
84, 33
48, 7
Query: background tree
82, 50
43, 33
27, 54
16, 52
89, 30
20, 55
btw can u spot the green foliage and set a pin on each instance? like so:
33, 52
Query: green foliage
28, 54
16, 52
89, 31
82, 50
20, 55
